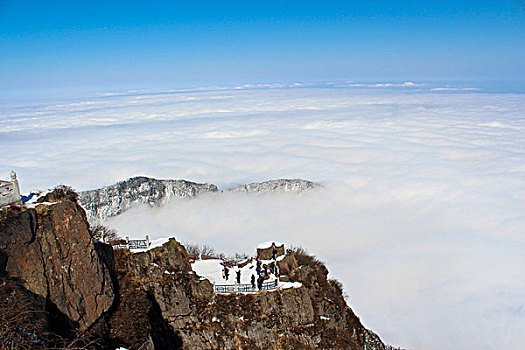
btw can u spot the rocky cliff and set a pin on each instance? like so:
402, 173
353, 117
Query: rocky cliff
46, 254
114, 199
160, 291
153, 299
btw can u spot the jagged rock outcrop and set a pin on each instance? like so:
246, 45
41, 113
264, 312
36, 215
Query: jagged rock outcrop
112, 200
158, 295
48, 249
314, 316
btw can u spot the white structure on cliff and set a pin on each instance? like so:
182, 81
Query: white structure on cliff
10, 191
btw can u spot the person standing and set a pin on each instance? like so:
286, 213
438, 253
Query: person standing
226, 272
238, 276
253, 281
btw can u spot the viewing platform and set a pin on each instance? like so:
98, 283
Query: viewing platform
249, 276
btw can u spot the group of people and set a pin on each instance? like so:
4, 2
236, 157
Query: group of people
226, 274
262, 270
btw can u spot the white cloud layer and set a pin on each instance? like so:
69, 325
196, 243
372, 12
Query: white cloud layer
421, 214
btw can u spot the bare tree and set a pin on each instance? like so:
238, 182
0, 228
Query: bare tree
65, 191
200, 251
103, 233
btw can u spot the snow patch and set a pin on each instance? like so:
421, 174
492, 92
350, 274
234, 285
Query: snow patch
153, 244
32, 202
32, 206
280, 257
268, 244
288, 285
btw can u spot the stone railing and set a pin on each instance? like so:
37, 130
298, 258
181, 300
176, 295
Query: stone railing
245, 288
131, 243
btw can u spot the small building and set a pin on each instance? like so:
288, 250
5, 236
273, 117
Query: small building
265, 250
10, 191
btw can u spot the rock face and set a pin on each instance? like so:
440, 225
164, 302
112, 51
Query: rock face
49, 250
159, 295
112, 200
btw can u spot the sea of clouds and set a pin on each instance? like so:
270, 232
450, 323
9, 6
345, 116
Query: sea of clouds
421, 214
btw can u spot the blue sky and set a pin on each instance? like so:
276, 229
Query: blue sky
134, 44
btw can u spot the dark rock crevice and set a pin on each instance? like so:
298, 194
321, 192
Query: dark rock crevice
162, 334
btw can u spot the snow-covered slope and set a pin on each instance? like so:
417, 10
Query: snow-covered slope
114, 199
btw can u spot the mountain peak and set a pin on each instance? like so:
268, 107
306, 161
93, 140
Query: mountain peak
279, 185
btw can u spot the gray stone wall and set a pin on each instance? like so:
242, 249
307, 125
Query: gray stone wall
9, 191
8, 194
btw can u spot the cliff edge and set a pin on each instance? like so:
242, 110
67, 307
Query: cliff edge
66, 285
193, 316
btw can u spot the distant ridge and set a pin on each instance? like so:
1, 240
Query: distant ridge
280, 185
112, 200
